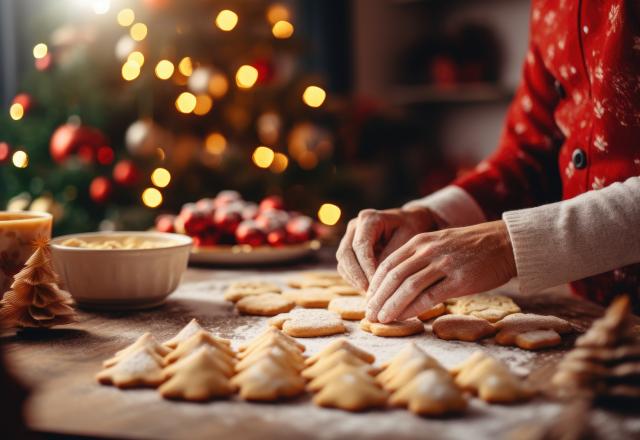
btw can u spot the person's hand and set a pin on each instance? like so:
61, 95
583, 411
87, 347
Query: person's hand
373, 236
434, 266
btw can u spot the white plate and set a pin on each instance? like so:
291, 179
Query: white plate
241, 255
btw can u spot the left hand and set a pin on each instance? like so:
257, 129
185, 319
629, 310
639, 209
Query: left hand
434, 266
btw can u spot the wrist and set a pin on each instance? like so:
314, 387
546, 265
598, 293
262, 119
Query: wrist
423, 218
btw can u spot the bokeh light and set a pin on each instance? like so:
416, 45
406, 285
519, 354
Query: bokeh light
4, 151
246, 76
263, 156
161, 177
279, 164
226, 20
20, 159
215, 143
277, 12
203, 105
329, 214
130, 70
186, 102
138, 31
307, 160
314, 96
136, 57
101, 7
40, 51
282, 29
164, 69
126, 17
218, 85
151, 197
185, 66
16, 111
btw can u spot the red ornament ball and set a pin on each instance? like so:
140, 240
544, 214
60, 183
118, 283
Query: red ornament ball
44, 63
271, 202
227, 218
165, 223
300, 229
100, 189
25, 100
5, 151
277, 238
69, 138
248, 232
125, 173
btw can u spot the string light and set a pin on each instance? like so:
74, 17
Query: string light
186, 102
126, 17
280, 163
329, 214
164, 69
314, 96
161, 177
215, 143
130, 70
277, 12
246, 76
226, 20
282, 30
138, 31
203, 105
185, 66
263, 156
4, 151
16, 111
151, 197
40, 51
20, 159
136, 57
218, 85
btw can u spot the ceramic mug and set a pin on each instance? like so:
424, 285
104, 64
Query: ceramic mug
18, 231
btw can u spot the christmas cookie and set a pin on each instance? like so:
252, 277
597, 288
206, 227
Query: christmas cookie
142, 367
277, 350
340, 369
517, 324
483, 305
462, 328
308, 323
433, 312
187, 331
410, 355
265, 304
340, 356
341, 344
268, 379
351, 392
351, 308
202, 338
145, 341
408, 371
311, 298
430, 393
345, 290
240, 289
322, 279
408, 352
198, 377
537, 339
266, 334
393, 329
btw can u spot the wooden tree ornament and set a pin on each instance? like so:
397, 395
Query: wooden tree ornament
35, 300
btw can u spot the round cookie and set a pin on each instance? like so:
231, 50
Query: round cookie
310, 298
350, 308
462, 328
433, 312
241, 289
409, 327
265, 304
345, 290
483, 305
309, 323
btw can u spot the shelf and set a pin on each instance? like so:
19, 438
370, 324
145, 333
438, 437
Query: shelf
474, 93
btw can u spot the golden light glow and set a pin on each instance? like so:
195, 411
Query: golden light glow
161, 154
218, 85
263, 156
126, 17
161, 177
40, 51
215, 143
138, 31
307, 160
280, 163
136, 57
164, 69
130, 70
277, 12
101, 7
186, 102
151, 197
282, 29
203, 105
185, 66
226, 20
246, 76
329, 214
314, 96
16, 111
20, 159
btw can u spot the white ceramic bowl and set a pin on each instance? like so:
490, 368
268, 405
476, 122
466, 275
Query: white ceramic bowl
121, 278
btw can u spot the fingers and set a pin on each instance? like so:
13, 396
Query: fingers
389, 277
398, 239
408, 291
370, 228
430, 297
348, 265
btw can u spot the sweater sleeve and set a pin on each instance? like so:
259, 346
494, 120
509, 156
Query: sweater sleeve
592, 233
452, 207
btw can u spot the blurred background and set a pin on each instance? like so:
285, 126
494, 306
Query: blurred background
115, 111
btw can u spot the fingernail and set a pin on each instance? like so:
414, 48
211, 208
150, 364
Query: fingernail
383, 316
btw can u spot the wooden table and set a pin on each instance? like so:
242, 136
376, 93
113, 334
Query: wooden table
66, 399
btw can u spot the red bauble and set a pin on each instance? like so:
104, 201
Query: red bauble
265, 70
226, 197
44, 63
272, 219
249, 233
226, 219
5, 151
206, 205
194, 221
69, 138
100, 189
300, 229
105, 155
208, 238
277, 238
165, 223
250, 211
271, 202
125, 173
24, 100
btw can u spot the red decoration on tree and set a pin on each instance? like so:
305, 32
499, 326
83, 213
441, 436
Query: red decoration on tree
125, 173
69, 138
44, 63
25, 100
100, 189
5, 151
105, 155
265, 70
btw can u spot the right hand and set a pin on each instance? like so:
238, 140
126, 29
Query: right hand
373, 236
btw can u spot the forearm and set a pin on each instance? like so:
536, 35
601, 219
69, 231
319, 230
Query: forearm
566, 241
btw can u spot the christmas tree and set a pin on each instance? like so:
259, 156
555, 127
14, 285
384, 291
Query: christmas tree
145, 105
35, 300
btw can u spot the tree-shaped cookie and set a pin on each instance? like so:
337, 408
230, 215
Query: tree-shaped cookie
339, 369
605, 363
352, 392
341, 344
430, 393
145, 341
35, 299
142, 367
267, 333
340, 356
197, 340
409, 352
268, 379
